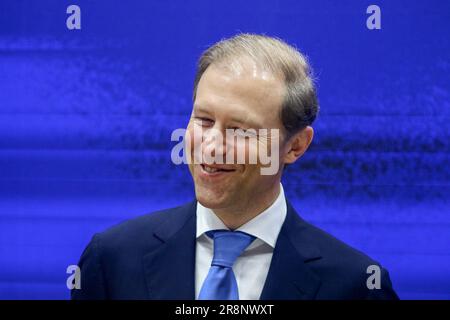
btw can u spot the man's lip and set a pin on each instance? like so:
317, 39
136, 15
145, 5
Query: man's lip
218, 166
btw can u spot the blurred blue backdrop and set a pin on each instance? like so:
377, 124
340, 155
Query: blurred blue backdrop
86, 117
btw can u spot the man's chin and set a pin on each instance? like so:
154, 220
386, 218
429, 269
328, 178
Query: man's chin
211, 200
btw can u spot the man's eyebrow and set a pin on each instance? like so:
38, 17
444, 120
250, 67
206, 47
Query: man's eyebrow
198, 108
253, 124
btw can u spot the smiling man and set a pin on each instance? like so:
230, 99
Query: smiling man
240, 238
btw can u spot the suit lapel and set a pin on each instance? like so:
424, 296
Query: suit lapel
289, 276
170, 267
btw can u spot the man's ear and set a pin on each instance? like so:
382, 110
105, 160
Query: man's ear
298, 144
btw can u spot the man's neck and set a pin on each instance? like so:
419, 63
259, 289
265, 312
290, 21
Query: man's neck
235, 217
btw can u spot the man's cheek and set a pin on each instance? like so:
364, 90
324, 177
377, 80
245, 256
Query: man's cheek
194, 145
245, 152
188, 143
197, 149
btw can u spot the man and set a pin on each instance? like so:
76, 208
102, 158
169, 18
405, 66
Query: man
240, 239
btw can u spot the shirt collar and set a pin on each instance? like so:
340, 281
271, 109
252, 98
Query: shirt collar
265, 226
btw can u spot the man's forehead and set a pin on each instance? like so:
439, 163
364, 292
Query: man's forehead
245, 67
250, 94
253, 86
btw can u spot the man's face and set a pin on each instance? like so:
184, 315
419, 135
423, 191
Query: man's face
241, 97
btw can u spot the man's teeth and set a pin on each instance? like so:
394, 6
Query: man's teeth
210, 170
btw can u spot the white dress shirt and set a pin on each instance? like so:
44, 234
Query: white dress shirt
252, 266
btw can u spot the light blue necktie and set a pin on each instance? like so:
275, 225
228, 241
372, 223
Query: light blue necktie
220, 283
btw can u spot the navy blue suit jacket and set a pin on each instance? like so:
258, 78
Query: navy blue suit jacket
153, 257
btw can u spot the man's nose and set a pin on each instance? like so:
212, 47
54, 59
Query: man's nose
214, 142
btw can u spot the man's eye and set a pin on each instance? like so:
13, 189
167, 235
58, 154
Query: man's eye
204, 121
244, 132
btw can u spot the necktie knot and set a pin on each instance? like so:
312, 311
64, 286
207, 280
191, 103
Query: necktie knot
228, 246
220, 283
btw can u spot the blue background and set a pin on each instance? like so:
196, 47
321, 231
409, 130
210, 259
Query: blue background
86, 118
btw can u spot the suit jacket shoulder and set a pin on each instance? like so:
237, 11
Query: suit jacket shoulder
139, 231
112, 265
344, 272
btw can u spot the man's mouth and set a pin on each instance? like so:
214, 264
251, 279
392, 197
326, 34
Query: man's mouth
215, 168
